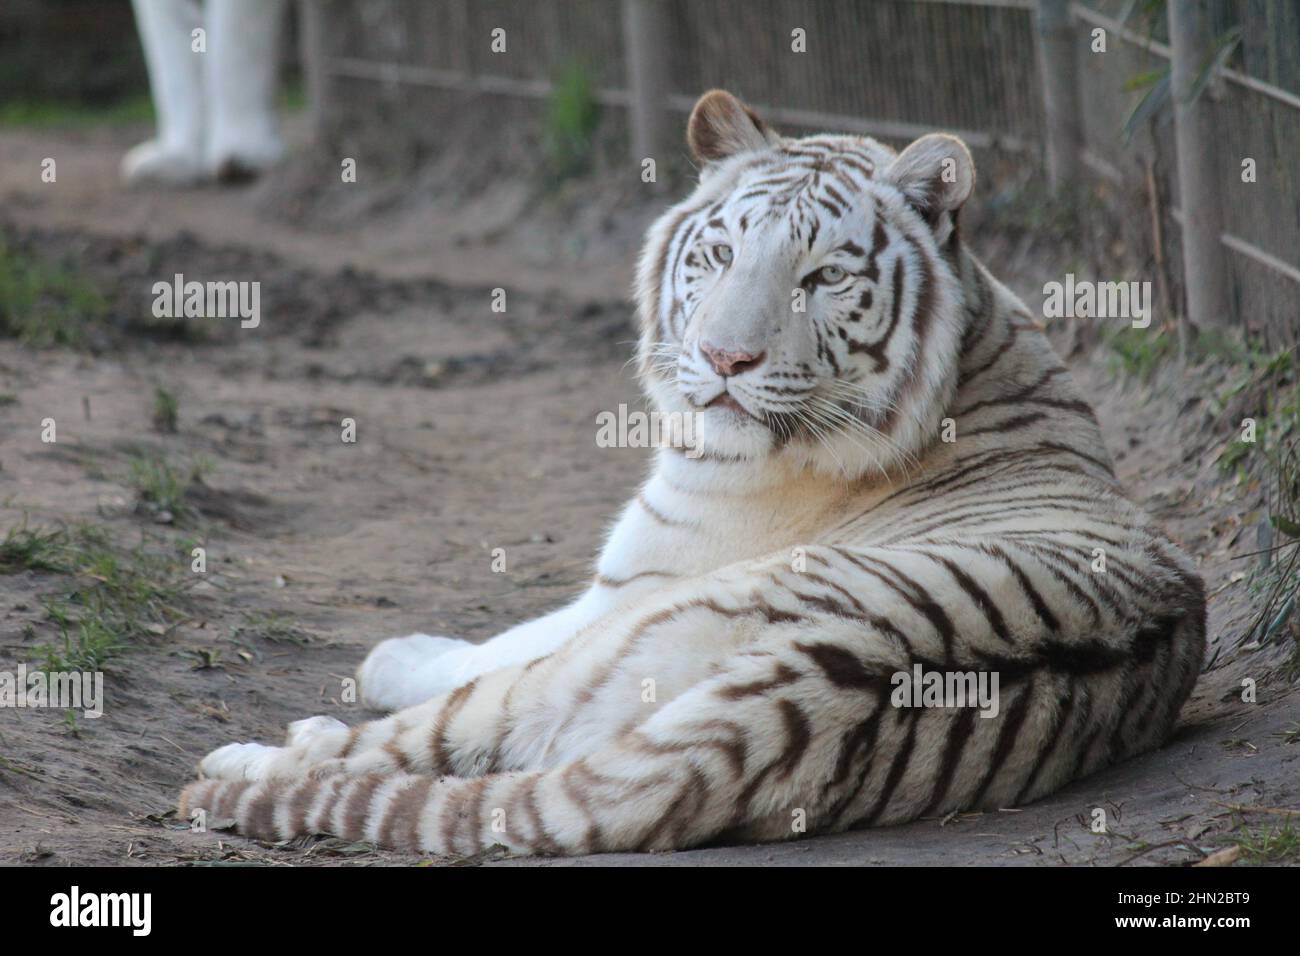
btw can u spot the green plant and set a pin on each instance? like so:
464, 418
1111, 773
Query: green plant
165, 409
84, 645
43, 550
1268, 389
115, 596
1139, 352
162, 487
1271, 845
1157, 83
41, 113
571, 116
45, 306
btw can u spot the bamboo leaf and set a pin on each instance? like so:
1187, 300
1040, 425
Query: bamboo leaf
1215, 62
1150, 104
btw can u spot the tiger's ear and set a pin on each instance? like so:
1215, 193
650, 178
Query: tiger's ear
722, 126
935, 173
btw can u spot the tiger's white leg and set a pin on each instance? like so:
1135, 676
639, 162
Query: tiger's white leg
241, 70
396, 673
175, 154
531, 705
404, 671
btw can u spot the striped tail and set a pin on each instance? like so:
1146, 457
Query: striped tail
571, 810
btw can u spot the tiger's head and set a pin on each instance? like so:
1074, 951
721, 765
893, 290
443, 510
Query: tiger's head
804, 302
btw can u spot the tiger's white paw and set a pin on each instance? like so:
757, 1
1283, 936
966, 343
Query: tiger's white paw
154, 162
404, 671
239, 762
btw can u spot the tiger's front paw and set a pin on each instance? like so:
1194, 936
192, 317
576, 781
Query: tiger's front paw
404, 671
240, 762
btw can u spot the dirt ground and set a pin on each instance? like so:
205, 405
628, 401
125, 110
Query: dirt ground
474, 432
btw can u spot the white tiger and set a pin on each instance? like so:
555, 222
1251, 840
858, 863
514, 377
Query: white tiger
732, 669
213, 94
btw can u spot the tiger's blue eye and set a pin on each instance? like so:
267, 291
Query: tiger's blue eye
826, 275
722, 253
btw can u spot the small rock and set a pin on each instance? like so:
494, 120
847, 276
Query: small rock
113, 506
33, 853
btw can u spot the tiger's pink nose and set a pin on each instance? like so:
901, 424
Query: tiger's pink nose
730, 363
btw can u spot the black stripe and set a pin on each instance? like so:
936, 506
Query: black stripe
958, 735
897, 767
1008, 734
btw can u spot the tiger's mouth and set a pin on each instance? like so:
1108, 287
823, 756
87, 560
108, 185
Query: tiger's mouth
782, 427
727, 400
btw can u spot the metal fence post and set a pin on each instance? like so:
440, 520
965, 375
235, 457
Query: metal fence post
1204, 259
645, 44
1056, 62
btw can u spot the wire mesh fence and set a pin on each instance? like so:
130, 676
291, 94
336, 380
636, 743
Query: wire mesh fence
894, 69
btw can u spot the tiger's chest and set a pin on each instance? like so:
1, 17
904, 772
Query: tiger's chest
671, 530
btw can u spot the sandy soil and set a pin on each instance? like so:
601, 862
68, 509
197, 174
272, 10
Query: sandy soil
474, 432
